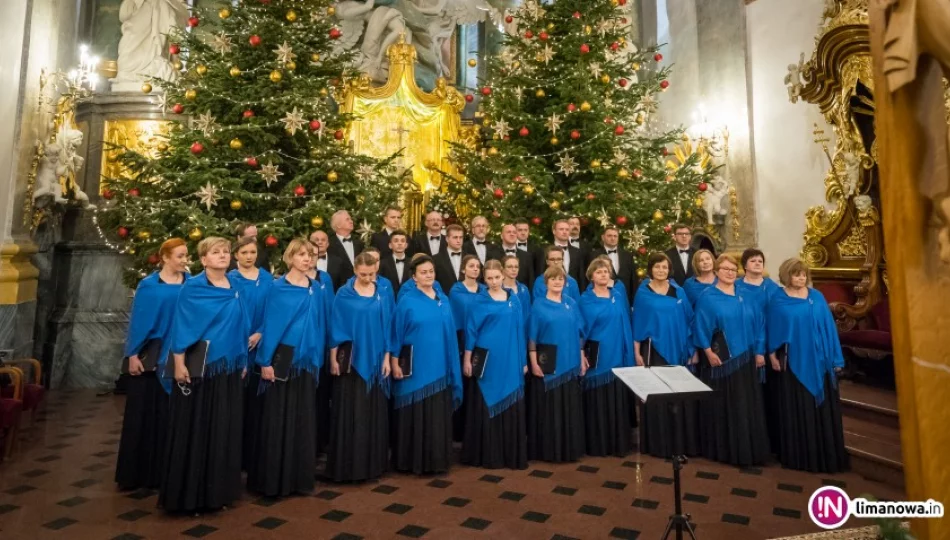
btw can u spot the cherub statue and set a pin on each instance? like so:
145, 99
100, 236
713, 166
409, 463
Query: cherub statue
57, 171
713, 201
850, 172
794, 79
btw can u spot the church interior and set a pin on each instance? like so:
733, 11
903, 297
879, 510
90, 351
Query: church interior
814, 130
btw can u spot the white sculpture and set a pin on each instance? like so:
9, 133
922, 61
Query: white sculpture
716, 193
143, 46
851, 173
61, 160
794, 79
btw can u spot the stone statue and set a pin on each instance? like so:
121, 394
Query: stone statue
713, 201
851, 172
917, 50
143, 47
794, 79
58, 169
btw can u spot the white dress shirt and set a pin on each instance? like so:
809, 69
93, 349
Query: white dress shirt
348, 246
684, 258
456, 262
400, 265
322, 263
479, 249
614, 258
523, 246
510, 250
434, 245
567, 257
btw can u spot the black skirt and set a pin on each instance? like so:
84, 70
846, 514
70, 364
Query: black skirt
458, 416
359, 431
252, 417
555, 420
321, 417
423, 435
494, 443
772, 399
607, 420
733, 421
811, 437
144, 428
203, 451
284, 457
657, 429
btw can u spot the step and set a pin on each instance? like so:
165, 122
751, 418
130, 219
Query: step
869, 404
875, 450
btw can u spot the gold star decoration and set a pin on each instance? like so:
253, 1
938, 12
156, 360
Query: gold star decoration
566, 165
221, 44
547, 54
554, 123
636, 238
163, 103
285, 53
620, 157
365, 171
294, 121
502, 129
208, 195
205, 123
603, 218
365, 230
269, 173
596, 69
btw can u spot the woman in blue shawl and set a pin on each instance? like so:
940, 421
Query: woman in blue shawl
662, 316
554, 256
809, 414
423, 399
495, 430
607, 327
555, 406
359, 419
325, 388
203, 452
704, 277
512, 266
462, 295
139, 463
284, 454
733, 420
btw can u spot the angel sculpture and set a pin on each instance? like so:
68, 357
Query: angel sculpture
58, 169
713, 200
794, 79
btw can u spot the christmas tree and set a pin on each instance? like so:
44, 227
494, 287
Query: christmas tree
568, 109
262, 141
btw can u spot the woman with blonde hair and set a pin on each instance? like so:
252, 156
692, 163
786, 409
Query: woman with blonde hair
462, 295
704, 277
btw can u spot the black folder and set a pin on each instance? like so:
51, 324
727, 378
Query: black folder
782, 355
405, 360
479, 361
148, 356
719, 345
344, 357
592, 352
282, 361
650, 355
547, 358
196, 358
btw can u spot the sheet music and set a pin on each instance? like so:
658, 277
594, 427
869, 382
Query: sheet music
679, 379
642, 382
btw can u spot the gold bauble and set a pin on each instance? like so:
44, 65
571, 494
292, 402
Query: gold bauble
516, 64
331, 11
291, 65
699, 202
585, 106
236, 205
639, 118
641, 273
528, 190
588, 29
314, 152
324, 92
131, 251
623, 173
176, 65
191, 94
658, 216
162, 147
146, 88
492, 151
689, 214
332, 176
236, 144
614, 3
605, 78
539, 57
635, 66
276, 76
555, 141
550, 26
195, 234
144, 235
291, 16
595, 164
472, 62
316, 222
201, 69
540, 93
235, 71
224, 13
555, 205
314, 58
622, 40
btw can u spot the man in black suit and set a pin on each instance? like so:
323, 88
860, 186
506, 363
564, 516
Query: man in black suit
344, 245
430, 241
479, 245
395, 266
534, 251
509, 246
583, 245
620, 259
392, 220
331, 264
573, 259
681, 254
448, 263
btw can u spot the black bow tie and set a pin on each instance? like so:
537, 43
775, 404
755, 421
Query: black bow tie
456, 254
522, 244
347, 239
435, 238
510, 251
684, 251
400, 261
322, 258
479, 243
609, 251
575, 241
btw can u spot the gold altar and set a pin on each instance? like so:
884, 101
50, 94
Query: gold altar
400, 117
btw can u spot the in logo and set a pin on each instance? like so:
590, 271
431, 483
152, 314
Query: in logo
829, 507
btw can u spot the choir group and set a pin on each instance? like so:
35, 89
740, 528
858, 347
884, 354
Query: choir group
383, 356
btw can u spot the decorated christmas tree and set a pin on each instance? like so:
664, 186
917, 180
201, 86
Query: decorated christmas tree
568, 120
256, 138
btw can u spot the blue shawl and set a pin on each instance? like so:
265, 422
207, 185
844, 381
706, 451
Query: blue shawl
607, 321
736, 317
215, 314
365, 321
427, 325
295, 316
524, 296
571, 289
807, 326
383, 285
695, 288
665, 320
498, 327
152, 310
410, 285
560, 324
325, 282
618, 285
462, 299
254, 294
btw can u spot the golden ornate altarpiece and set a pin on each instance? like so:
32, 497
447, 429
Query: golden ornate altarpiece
400, 117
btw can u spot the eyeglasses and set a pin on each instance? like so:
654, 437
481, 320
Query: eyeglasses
556, 260
729, 270
682, 234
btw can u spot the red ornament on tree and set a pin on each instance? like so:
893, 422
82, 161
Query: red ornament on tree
338, 135
622, 83
667, 228
528, 34
664, 84
619, 130
134, 192
509, 19
585, 48
576, 15
608, 120
571, 107
335, 33
499, 193
178, 108
107, 194
270, 241
621, 220
254, 40
248, 114
642, 250
615, 46
543, 36
123, 232
535, 221
507, 137
300, 191
638, 173
591, 196
524, 131
658, 57
469, 98
251, 161
585, 221
197, 148
486, 91
665, 151
315, 125
622, 2
193, 21
575, 134
174, 49
702, 186
154, 259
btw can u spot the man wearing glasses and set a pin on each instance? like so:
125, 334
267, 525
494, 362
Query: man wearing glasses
681, 254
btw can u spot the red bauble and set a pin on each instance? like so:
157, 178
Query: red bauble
622, 2
524, 131
197, 148
123, 232
509, 19
575, 134
576, 15
608, 120
518, 179
193, 21
248, 114
174, 49
615, 46
178, 108
499, 193
300, 191
585, 221
622, 83
338, 135
665, 151
543, 36
134, 192
107, 194
667, 228
702, 186
585, 48
251, 161
591, 196
664, 84
154, 259
528, 34
638, 173
254, 40
658, 57
469, 98
619, 130
496, 214
642, 250
335, 33
486, 90
571, 107
535, 221
621, 220
270, 241
315, 125
507, 137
